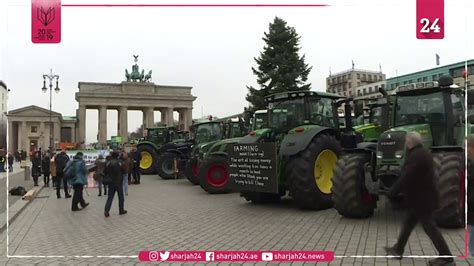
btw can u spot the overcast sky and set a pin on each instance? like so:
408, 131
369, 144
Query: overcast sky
212, 49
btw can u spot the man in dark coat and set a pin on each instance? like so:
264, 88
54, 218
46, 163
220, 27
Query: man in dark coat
470, 191
418, 186
114, 171
36, 167
46, 165
136, 158
61, 161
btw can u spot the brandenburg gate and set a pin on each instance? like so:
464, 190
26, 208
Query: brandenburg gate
136, 93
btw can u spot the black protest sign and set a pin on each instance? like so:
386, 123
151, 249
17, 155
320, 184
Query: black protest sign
253, 167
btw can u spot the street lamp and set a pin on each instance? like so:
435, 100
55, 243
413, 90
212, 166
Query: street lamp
51, 78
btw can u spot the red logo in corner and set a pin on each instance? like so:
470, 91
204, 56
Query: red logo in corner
46, 21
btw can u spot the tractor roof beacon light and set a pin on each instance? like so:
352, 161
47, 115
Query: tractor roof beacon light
445, 81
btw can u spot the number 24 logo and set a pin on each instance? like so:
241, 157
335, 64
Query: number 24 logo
426, 26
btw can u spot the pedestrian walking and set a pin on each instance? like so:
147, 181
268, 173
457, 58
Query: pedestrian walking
78, 182
52, 167
136, 157
126, 167
3, 159
46, 166
10, 161
35, 168
114, 176
61, 160
470, 191
17, 156
99, 174
417, 184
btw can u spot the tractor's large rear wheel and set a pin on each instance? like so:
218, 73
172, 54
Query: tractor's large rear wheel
311, 172
450, 173
148, 163
214, 175
192, 171
350, 196
167, 165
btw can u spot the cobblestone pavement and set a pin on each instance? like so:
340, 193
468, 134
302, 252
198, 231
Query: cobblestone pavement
174, 215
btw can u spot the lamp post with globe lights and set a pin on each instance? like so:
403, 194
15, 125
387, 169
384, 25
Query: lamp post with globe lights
51, 78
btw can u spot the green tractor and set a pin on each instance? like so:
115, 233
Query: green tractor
150, 145
436, 111
229, 129
212, 161
304, 126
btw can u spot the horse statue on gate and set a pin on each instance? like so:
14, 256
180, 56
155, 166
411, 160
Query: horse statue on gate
136, 75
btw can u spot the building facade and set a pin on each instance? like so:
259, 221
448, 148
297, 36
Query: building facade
370, 90
29, 128
3, 118
345, 83
454, 70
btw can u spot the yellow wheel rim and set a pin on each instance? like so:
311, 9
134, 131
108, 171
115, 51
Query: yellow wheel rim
323, 170
146, 161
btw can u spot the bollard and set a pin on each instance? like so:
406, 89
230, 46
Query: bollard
27, 172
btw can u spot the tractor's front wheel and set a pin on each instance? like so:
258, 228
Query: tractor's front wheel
350, 196
214, 175
148, 163
192, 171
450, 173
311, 172
167, 165
260, 197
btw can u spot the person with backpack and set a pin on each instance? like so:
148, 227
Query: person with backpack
114, 173
61, 160
46, 165
75, 173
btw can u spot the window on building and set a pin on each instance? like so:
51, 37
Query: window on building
425, 78
350, 93
370, 77
358, 76
418, 80
358, 92
376, 87
349, 76
333, 80
365, 91
344, 93
338, 79
34, 129
456, 73
405, 82
344, 86
370, 89
470, 70
383, 86
434, 78
349, 85
363, 76
380, 78
410, 81
358, 83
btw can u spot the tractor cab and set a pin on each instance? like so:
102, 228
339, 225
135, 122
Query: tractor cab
206, 132
295, 111
159, 135
234, 128
260, 119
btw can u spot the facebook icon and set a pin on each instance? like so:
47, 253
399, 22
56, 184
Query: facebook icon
210, 256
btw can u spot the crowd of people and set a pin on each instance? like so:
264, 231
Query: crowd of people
112, 174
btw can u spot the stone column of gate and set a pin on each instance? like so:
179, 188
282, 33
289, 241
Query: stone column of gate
43, 139
103, 125
188, 118
169, 117
11, 137
57, 134
163, 116
123, 123
150, 117
81, 138
22, 141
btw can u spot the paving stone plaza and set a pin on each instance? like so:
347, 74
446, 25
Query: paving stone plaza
175, 215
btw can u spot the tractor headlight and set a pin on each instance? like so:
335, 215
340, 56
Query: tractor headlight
379, 155
399, 154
